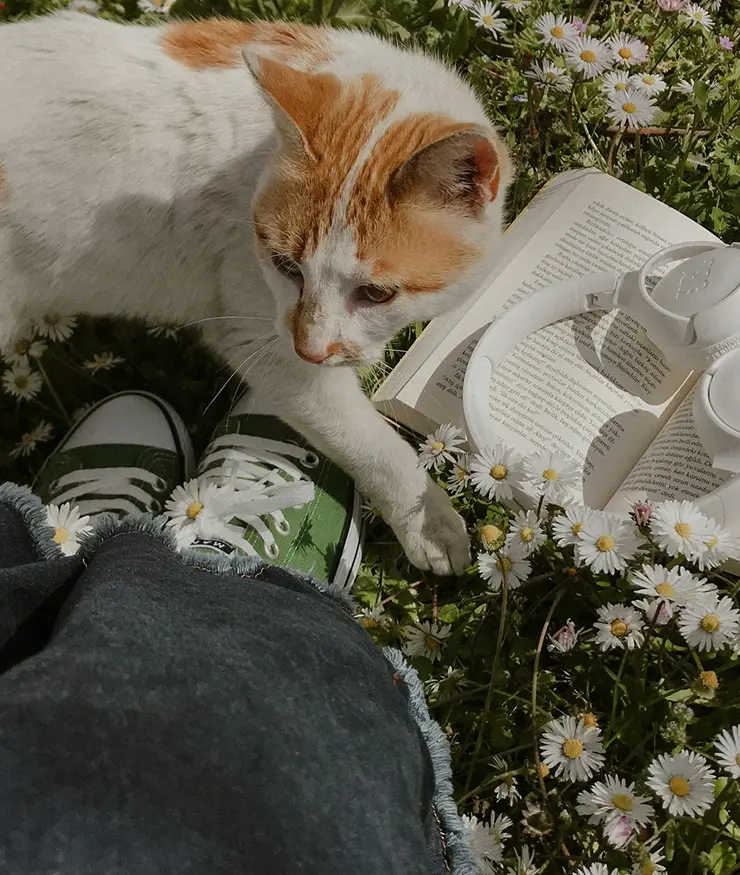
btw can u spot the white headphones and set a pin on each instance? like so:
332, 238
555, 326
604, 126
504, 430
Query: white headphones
692, 314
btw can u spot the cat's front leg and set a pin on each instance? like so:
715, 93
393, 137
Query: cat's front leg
328, 406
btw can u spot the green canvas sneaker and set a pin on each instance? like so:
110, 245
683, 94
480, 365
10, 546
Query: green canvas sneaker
123, 457
262, 490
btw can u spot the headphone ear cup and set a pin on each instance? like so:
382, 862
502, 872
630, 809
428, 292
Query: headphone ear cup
700, 283
716, 412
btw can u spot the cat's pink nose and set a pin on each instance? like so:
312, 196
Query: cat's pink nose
313, 358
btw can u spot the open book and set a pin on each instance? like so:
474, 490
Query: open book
594, 386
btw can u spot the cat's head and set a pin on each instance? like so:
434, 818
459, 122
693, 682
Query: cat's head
383, 203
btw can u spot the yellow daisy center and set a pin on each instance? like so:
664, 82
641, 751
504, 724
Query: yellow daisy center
647, 868
487, 19
576, 528
437, 446
620, 86
649, 80
709, 680
550, 76
618, 628
550, 474
588, 56
431, 642
710, 623
557, 32
665, 588
572, 748
737, 759
625, 52
504, 564
605, 543
28, 439
712, 542
526, 534
193, 509
679, 786
629, 107
22, 346
498, 472
590, 720
61, 535
490, 534
623, 802
683, 530
21, 382
369, 623
461, 474
52, 318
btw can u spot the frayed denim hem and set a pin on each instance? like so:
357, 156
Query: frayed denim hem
107, 526
33, 513
458, 851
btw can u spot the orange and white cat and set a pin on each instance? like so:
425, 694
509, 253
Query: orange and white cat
320, 188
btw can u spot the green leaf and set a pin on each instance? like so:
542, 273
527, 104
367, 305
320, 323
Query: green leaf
679, 696
448, 613
720, 859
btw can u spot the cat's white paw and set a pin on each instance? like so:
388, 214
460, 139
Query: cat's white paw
433, 534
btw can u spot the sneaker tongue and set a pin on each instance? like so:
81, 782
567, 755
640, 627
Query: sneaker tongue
164, 466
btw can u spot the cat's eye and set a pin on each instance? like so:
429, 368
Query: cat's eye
287, 266
376, 294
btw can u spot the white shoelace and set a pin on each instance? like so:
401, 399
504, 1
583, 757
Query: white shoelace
257, 479
116, 490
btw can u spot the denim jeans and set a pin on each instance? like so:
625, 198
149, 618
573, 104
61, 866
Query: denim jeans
165, 713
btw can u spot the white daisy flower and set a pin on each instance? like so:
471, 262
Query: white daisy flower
727, 745
619, 626
500, 826
555, 30
371, 618
31, 439
596, 869
21, 382
516, 5
440, 447
650, 83
162, 7
628, 50
444, 687
102, 361
697, 16
614, 803
482, 843
548, 74
525, 530
496, 471
675, 588
486, 15
68, 525
606, 542
658, 612
507, 791
552, 475
508, 560
684, 783
459, 479
709, 623
715, 5
426, 639
23, 349
632, 108
721, 545
524, 863
685, 86
615, 83
567, 527
572, 749
652, 864
192, 507
565, 639
56, 327
680, 527
588, 56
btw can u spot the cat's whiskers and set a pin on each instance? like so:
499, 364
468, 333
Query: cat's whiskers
212, 318
236, 371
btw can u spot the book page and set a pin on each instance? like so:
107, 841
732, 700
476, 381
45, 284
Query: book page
674, 465
593, 387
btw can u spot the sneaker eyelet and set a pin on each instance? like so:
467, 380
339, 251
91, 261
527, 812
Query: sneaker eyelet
311, 460
160, 484
272, 550
155, 506
282, 527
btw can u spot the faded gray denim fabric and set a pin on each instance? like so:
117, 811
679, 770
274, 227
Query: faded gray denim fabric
161, 718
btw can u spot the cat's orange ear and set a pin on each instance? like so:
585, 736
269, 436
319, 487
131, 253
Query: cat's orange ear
464, 170
299, 99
